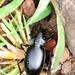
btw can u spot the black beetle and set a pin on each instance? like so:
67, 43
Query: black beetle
35, 55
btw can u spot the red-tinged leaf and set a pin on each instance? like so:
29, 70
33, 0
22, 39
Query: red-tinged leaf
16, 51
5, 49
50, 45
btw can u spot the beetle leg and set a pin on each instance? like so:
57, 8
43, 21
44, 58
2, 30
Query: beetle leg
48, 39
23, 44
19, 65
49, 63
32, 38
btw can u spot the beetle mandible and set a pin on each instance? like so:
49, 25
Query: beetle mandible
35, 55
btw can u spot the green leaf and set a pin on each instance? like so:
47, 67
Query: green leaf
24, 21
27, 28
2, 44
3, 72
4, 41
60, 45
6, 10
7, 24
0, 0
44, 14
15, 22
41, 7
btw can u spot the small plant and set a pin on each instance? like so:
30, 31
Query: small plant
12, 52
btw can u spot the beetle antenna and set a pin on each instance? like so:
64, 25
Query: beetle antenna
48, 40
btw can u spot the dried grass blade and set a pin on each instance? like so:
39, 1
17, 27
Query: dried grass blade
21, 31
4, 49
1, 2
4, 54
9, 62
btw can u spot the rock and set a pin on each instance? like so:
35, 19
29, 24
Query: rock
66, 55
66, 67
65, 9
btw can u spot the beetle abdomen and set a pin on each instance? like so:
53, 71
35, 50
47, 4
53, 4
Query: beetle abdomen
34, 60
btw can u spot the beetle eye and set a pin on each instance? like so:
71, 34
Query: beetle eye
27, 62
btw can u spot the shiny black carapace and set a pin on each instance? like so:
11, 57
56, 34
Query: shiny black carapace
35, 55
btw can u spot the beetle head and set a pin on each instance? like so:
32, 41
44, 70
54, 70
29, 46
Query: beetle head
40, 39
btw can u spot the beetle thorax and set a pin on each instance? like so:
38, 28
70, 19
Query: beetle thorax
40, 39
